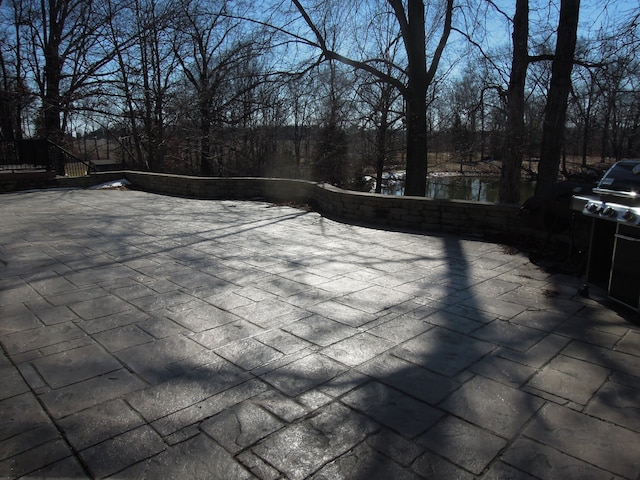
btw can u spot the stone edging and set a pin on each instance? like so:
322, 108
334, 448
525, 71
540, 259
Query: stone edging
496, 222
489, 220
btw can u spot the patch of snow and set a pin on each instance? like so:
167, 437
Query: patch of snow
122, 183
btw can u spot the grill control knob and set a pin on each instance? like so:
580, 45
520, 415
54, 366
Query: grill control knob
591, 207
609, 212
629, 216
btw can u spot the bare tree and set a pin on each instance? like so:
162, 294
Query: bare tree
617, 78
157, 67
383, 116
299, 111
203, 47
146, 74
122, 36
584, 102
412, 81
7, 106
66, 55
257, 117
514, 130
14, 92
465, 99
332, 147
380, 101
555, 112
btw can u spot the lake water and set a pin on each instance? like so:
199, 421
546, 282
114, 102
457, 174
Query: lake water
479, 189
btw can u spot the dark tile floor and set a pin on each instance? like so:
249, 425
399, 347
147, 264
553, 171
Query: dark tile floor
145, 336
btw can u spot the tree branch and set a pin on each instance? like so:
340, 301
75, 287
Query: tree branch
443, 42
332, 55
540, 58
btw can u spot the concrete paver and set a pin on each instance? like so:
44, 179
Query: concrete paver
146, 336
589, 439
474, 454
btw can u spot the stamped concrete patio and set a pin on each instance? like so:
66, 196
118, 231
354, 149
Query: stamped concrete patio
146, 336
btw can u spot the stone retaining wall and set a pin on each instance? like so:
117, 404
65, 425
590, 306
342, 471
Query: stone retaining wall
489, 220
412, 213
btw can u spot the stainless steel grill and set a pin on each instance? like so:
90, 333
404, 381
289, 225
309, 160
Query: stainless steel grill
614, 246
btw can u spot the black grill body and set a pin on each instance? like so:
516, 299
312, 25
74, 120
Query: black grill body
614, 247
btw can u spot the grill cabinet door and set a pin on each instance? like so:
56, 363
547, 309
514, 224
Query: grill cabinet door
624, 282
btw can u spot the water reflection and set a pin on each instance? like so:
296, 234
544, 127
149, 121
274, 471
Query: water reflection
478, 189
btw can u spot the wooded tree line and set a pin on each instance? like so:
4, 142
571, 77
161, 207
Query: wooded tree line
326, 90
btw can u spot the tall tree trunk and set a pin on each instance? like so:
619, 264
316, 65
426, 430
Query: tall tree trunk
52, 72
413, 30
556, 109
514, 132
586, 136
206, 168
297, 145
381, 145
416, 106
416, 177
52, 108
8, 105
604, 141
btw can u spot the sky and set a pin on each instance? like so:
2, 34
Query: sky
594, 14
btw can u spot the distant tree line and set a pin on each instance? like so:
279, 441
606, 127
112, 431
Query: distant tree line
326, 90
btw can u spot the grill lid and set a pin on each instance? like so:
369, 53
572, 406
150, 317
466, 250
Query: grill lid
622, 179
